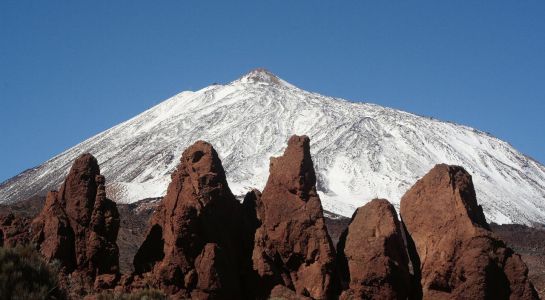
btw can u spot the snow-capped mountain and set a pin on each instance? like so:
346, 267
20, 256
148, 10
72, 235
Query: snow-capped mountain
360, 150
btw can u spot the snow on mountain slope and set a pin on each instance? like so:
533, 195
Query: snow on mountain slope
360, 150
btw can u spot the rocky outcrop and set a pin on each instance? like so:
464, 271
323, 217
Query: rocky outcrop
13, 230
292, 246
202, 243
193, 246
457, 255
78, 225
372, 256
53, 234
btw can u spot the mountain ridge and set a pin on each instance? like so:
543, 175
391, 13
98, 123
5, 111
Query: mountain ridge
361, 150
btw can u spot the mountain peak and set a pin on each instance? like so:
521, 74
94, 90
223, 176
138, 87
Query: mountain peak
361, 151
263, 76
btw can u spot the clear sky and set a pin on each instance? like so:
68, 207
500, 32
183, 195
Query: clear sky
71, 69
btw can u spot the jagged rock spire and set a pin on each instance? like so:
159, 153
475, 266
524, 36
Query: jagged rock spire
292, 246
192, 248
78, 225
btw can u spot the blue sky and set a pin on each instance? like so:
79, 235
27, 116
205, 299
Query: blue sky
71, 69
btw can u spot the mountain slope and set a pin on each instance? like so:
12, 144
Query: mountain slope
360, 150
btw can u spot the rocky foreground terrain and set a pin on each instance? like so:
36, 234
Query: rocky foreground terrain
200, 242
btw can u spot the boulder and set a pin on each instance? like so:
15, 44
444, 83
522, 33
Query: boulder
456, 254
372, 255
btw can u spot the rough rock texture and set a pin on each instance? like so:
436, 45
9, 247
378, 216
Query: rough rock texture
203, 244
53, 234
529, 243
281, 292
292, 246
13, 229
193, 246
372, 255
252, 214
78, 225
15, 221
459, 257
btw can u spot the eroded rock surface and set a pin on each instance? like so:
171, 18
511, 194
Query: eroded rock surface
13, 229
459, 257
201, 243
292, 246
372, 255
78, 225
193, 246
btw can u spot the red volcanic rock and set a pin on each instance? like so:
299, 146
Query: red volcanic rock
292, 246
102, 250
13, 230
372, 254
284, 293
53, 234
252, 211
15, 220
193, 246
78, 225
459, 257
214, 274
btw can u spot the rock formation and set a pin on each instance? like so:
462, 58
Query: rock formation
193, 246
13, 230
78, 225
292, 246
372, 256
203, 244
459, 258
